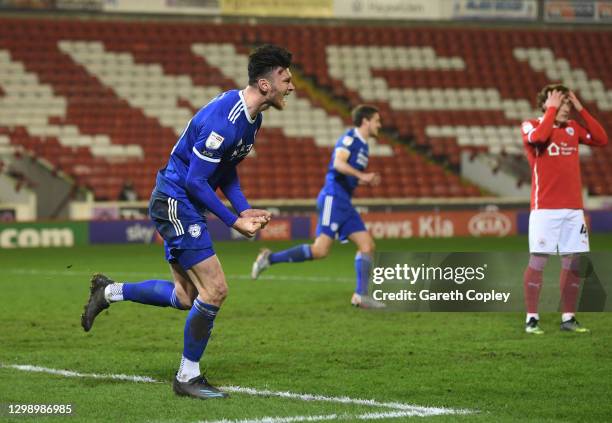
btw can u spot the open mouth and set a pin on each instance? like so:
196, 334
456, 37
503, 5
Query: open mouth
284, 99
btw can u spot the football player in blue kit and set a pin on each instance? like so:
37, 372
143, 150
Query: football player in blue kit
214, 142
338, 219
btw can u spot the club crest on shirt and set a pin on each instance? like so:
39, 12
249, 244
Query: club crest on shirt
195, 230
553, 149
214, 141
570, 131
347, 141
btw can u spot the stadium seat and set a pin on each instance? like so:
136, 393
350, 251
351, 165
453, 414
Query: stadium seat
107, 100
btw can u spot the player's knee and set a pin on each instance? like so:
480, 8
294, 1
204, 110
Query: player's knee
218, 292
570, 262
538, 261
318, 251
368, 248
185, 298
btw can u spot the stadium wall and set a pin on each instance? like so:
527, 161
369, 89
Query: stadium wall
394, 225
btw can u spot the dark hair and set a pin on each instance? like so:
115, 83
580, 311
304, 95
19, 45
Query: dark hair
265, 59
361, 112
543, 94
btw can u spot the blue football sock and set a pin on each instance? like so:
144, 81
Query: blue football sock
363, 263
292, 255
198, 326
153, 292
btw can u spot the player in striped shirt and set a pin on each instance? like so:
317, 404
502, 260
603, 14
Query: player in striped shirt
338, 219
214, 142
556, 221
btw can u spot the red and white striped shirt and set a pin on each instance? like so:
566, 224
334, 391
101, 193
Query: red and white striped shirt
552, 152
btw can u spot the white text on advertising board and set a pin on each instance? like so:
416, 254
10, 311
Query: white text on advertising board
31, 237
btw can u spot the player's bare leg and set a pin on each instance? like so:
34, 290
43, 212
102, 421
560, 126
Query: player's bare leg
185, 290
363, 263
208, 278
321, 247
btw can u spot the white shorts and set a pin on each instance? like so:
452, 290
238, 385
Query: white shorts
558, 230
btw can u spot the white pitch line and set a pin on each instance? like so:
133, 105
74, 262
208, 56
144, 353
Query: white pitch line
342, 400
365, 416
69, 373
38, 272
290, 419
401, 409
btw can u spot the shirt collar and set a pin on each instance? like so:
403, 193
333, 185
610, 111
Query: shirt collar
246, 109
361, 138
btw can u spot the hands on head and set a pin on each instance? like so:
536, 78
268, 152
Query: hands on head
575, 102
556, 98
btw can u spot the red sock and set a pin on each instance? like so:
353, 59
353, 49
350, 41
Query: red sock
532, 284
569, 283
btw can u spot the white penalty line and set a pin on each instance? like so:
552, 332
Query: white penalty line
399, 409
292, 278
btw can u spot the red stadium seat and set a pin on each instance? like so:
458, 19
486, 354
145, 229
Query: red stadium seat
285, 166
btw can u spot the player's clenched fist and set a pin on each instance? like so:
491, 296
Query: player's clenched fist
248, 226
258, 213
370, 178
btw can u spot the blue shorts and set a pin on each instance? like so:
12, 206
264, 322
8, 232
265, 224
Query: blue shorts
184, 230
337, 217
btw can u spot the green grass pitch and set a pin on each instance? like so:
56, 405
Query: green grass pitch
295, 331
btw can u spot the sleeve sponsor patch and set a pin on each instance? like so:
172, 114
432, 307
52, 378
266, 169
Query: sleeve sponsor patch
347, 141
527, 127
214, 141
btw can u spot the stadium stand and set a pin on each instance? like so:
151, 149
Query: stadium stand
104, 101
457, 89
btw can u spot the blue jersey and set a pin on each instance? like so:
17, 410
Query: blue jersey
216, 139
339, 184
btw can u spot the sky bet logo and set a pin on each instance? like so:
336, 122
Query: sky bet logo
140, 233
